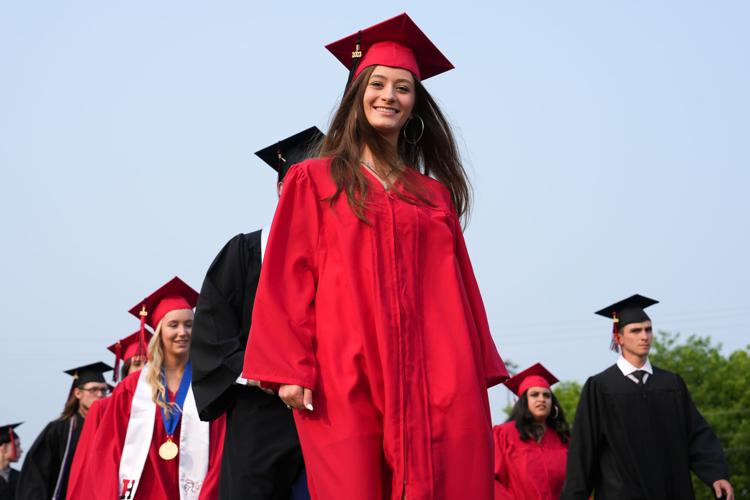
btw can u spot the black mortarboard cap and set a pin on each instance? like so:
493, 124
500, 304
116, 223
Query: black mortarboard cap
5, 431
630, 310
625, 312
88, 373
293, 149
8, 435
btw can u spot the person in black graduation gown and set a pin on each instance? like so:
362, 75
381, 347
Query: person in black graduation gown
262, 457
637, 433
45, 471
10, 451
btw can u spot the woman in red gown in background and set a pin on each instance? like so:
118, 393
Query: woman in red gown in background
150, 442
127, 351
531, 448
368, 319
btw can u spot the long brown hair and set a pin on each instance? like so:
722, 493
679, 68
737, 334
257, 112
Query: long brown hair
71, 405
435, 154
526, 425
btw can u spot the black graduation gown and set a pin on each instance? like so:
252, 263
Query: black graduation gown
262, 456
639, 441
222, 323
8, 488
48, 461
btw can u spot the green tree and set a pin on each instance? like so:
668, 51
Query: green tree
719, 386
568, 393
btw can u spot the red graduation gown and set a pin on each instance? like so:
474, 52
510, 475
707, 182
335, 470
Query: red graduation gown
527, 470
76, 485
386, 324
159, 478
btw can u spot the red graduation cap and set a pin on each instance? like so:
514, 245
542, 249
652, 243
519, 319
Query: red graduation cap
397, 42
534, 376
175, 294
126, 348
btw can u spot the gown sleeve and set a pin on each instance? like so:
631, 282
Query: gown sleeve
705, 454
218, 342
583, 450
282, 335
494, 367
76, 486
41, 465
501, 465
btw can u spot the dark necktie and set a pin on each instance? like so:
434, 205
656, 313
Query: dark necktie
639, 374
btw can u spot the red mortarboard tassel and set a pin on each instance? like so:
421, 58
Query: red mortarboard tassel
13, 450
142, 337
118, 355
613, 345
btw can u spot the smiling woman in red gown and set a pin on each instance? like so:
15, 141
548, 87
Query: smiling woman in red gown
368, 319
531, 448
150, 442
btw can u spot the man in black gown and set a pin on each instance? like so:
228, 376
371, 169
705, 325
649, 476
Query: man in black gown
45, 471
637, 433
10, 451
262, 457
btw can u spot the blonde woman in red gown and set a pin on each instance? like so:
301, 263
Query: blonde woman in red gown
150, 442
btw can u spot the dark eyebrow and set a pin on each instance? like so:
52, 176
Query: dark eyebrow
400, 80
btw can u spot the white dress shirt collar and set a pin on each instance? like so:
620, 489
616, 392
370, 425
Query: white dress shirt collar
627, 368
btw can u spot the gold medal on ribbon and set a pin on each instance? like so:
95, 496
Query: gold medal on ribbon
168, 450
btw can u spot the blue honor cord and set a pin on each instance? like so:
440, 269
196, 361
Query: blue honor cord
172, 416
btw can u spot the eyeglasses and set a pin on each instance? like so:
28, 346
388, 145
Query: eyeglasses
104, 391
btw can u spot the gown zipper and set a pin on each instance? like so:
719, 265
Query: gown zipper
401, 342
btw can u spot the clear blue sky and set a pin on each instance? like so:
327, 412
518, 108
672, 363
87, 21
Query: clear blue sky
607, 142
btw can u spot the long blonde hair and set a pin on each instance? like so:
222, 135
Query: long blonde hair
153, 374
